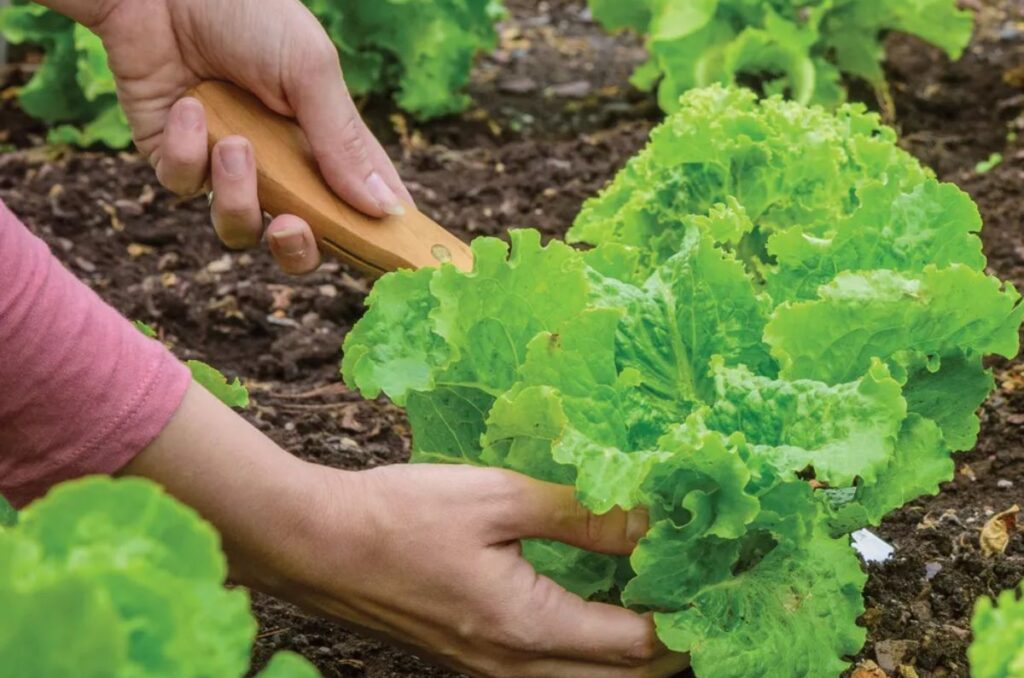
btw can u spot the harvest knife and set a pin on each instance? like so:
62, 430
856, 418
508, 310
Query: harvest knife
290, 182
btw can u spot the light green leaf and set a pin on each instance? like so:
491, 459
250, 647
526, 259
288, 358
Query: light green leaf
922, 462
997, 627
288, 665
794, 611
950, 396
933, 224
699, 304
394, 350
843, 432
785, 166
121, 580
575, 570
145, 328
675, 20
232, 394
799, 49
879, 314
989, 164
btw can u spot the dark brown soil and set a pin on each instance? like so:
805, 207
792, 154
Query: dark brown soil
555, 119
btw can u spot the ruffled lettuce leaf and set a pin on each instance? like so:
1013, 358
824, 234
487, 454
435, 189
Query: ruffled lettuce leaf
932, 225
858, 317
842, 432
795, 610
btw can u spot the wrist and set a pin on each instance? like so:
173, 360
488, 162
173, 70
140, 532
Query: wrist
323, 512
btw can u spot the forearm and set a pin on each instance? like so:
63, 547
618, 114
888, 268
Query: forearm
81, 390
89, 13
256, 494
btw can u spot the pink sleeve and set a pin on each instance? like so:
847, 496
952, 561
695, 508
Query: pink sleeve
81, 390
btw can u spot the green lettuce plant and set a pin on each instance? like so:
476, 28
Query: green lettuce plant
998, 627
108, 577
73, 91
800, 47
421, 50
776, 339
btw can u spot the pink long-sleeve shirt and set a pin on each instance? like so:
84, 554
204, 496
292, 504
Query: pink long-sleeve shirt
81, 390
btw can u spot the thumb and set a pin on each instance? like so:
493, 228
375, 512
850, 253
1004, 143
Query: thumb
351, 159
549, 511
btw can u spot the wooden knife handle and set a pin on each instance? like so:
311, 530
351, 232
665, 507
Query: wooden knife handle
290, 182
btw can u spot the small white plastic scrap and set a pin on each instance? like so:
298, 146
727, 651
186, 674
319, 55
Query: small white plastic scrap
871, 547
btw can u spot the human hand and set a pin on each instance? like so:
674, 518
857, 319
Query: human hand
429, 556
159, 49
425, 556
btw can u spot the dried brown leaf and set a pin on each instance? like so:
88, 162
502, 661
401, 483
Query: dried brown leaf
995, 535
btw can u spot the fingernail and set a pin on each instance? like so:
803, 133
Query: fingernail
289, 242
234, 157
637, 523
385, 197
190, 114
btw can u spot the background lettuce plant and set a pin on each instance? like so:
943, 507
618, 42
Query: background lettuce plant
798, 47
73, 91
110, 577
421, 50
998, 627
776, 295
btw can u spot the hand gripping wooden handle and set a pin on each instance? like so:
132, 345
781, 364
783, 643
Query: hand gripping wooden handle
289, 182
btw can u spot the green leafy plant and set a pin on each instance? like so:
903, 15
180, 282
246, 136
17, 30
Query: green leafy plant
799, 47
998, 627
108, 577
231, 393
73, 90
777, 296
421, 49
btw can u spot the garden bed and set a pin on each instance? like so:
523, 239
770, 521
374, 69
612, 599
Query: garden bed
555, 119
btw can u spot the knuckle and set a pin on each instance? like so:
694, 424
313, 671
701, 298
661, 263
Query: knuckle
644, 648
233, 208
353, 142
321, 58
500, 486
173, 181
